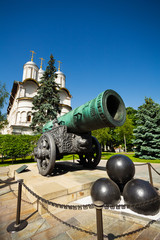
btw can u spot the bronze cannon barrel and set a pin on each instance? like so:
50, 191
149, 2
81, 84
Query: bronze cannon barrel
106, 110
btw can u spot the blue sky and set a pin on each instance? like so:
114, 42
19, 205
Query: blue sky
102, 45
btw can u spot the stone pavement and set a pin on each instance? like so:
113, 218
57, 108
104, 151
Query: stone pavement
59, 223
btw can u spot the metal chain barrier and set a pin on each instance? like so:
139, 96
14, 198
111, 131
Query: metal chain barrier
85, 207
93, 233
17, 196
134, 231
58, 205
68, 224
140, 164
154, 169
90, 206
8, 182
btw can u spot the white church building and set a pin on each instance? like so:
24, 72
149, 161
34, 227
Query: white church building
19, 112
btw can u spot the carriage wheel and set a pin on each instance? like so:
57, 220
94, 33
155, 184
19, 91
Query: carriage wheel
91, 159
45, 154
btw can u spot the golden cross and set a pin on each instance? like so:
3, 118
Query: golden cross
41, 62
59, 65
32, 55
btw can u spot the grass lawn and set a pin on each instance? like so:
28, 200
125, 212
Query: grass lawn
7, 162
105, 156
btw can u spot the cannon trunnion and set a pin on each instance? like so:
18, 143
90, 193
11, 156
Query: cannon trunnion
71, 133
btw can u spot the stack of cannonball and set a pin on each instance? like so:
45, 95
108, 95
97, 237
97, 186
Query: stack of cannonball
121, 170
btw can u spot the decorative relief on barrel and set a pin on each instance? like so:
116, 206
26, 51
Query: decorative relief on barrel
93, 113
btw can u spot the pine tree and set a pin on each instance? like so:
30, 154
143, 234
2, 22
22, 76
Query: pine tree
147, 133
46, 104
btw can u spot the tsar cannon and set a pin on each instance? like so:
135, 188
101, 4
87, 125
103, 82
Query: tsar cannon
71, 133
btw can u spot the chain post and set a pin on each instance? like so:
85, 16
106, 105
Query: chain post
20, 181
99, 206
150, 173
99, 219
18, 225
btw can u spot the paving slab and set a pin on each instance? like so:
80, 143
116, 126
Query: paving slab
148, 234
75, 180
69, 182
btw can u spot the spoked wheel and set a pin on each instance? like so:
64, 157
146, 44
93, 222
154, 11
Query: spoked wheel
45, 154
91, 159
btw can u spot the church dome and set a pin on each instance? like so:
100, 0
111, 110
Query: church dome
31, 64
41, 70
61, 79
40, 74
30, 70
59, 72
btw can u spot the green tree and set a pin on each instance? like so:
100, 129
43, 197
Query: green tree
3, 96
147, 133
131, 112
17, 145
125, 133
46, 104
103, 135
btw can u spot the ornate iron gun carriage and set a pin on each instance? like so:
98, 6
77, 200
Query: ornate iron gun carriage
71, 133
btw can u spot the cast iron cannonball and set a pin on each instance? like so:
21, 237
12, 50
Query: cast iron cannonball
120, 169
139, 191
106, 191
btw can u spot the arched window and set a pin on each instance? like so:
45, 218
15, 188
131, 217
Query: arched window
18, 117
29, 117
23, 117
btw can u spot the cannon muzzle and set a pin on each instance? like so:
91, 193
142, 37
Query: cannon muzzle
106, 110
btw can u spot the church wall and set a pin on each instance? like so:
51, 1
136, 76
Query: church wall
60, 80
40, 74
27, 89
18, 118
64, 110
24, 117
30, 72
67, 101
64, 98
25, 103
12, 118
23, 111
12, 114
30, 88
20, 113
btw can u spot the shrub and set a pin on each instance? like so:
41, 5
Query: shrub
14, 146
